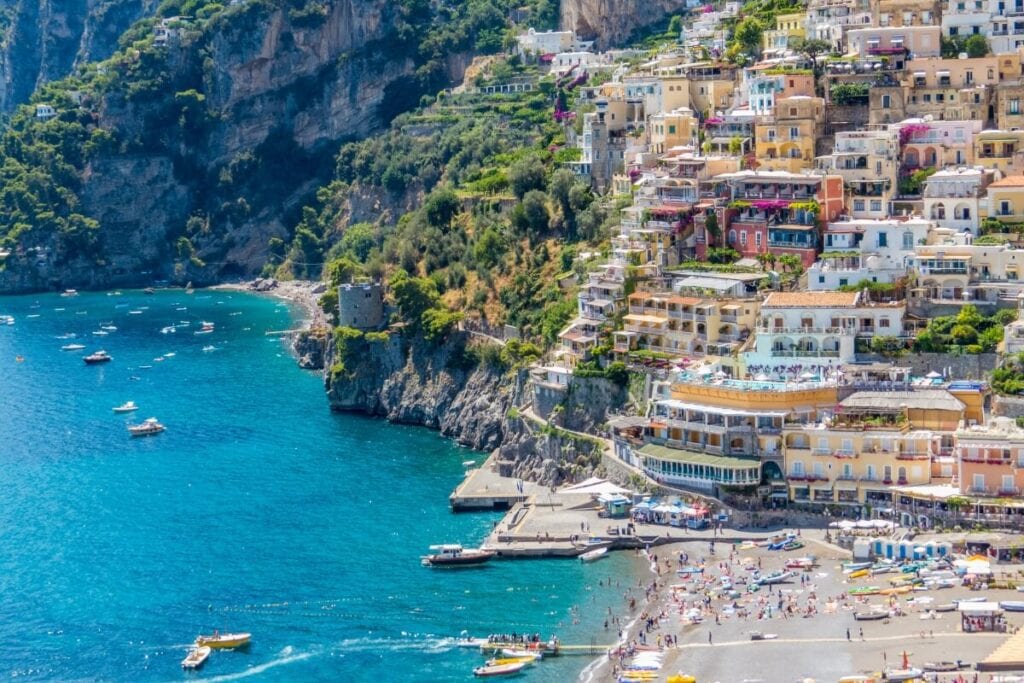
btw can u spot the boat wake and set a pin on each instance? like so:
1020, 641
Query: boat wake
288, 656
427, 644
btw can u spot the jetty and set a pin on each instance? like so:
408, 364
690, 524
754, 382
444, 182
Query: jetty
484, 488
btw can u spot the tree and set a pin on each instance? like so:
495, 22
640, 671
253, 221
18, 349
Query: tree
359, 239
735, 145
711, 225
561, 186
790, 262
675, 25
748, 35
812, 48
767, 260
526, 174
441, 207
531, 216
722, 255
413, 296
976, 46
887, 347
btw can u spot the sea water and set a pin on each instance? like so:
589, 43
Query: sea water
257, 510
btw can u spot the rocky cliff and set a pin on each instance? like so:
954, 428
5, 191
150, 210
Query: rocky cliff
612, 22
197, 151
42, 40
422, 384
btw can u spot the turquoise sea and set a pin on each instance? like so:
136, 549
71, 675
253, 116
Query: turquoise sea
257, 510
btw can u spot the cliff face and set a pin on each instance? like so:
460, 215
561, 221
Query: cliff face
611, 22
424, 385
43, 39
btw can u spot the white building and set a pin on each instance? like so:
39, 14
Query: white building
45, 111
876, 250
550, 42
801, 332
953, 197
997, 20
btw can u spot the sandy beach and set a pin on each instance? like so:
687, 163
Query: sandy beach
304, 293
811, 617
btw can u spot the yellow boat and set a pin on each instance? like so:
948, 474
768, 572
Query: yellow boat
859, 573
224, 641
511, 660
896, 590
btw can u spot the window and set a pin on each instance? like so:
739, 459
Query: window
978, 483
821, 279
908, 240
883, 322
757, 238
732, 237
886, 101
771, 134
1004, 208
842, 282
872, 473
876, 205
927, 97
794, 132
798, 468
1014, 106
847, 471
792, 111
671, 129
819, 469
743, 237
887, 472
882, 239
858, 204
1007, 484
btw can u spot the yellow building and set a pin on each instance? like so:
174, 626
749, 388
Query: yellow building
1006, 199
671, 129
685, 325
875, 440
1001, 150
788, 27
786, 141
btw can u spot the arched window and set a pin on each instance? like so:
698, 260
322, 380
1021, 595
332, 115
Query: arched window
732, 237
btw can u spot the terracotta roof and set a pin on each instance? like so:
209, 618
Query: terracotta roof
810, 299
1009, 181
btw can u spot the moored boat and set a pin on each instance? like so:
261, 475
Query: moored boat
126, 407
454, 555
196, 657
864, 590
69, 292
873, 615
940, 666
148, 427
97, 357
774, 577
800, 563
1012, 605
595, 554
859, 573
72, 347
499, 670
224, 641
527, 659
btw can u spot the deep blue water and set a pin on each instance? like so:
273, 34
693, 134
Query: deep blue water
257, 510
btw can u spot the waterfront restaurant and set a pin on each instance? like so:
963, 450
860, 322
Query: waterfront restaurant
701, 471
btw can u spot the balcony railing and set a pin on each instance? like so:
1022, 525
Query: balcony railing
790, 245
806, 330
797, 353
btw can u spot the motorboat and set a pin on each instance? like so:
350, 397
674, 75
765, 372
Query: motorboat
849, 567
528, 659
792, 545
100, 333
109, 328
69, 292
224, 641
468, 641
6, 319
97, 357
520, 653
126, 407
207, 326
940, 666
169, 329
501, 670
207, 349
910, 674
196, 657
454, 555
946, 607
148, 290
595, 554
1012, 605
72, 347
148, 427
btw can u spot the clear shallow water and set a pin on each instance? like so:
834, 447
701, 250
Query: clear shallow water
257, 510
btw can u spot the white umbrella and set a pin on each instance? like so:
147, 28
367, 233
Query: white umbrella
761, 378
721, 375
807, 375
933, 375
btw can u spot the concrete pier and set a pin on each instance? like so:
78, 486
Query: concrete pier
484, 488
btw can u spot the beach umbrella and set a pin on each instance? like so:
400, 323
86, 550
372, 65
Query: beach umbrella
933, 375
761, 377
807, 375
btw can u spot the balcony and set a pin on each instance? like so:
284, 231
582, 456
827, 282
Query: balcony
886, 50
913, 456
798, 353
783, 244
806, 330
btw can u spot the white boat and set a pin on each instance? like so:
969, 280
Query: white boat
126, 407
454, 555
207, 349
468, 641
208, 326
468, 463
69, 292
500, 670
72, 347
595, 554
148, 427
6, 319
519, 652
774, 577
170, 329
100, 333
109, 328
1012, 605
196, 657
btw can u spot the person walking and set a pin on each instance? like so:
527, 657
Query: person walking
709, 637
848, 634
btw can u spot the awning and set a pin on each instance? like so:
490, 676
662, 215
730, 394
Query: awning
920, 74
731, 307
682, 405
644, 319
942, 73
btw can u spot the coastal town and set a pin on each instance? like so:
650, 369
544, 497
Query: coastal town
815, 291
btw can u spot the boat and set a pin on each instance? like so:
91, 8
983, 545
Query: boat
849, 567
454, 555
126, 407
689, 570
97, 357
135, 312
72, 347
109, 328
963, 600
69, 292
792, 545
207, 326
800, 563
169, 329
595, 554
873, 615
1012, 605
148, 427
100, 333
502, 670
528, 659
468, 641
858, 573
514, 649
946, 607
196, 657
224, 641
940, 666
207, 349
864, 590
757, 635
6, 319
774, 577
148, 290
910, 674
896, 590
519, 653
468, 463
